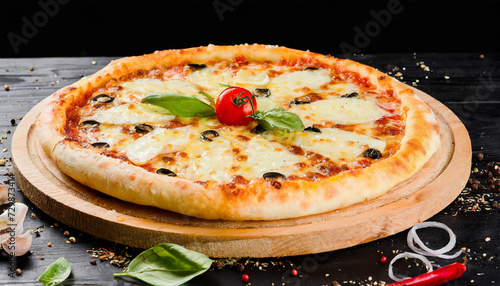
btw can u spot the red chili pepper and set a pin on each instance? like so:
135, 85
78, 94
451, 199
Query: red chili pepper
434, 278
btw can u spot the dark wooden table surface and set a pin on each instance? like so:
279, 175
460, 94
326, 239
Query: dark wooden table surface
469, 84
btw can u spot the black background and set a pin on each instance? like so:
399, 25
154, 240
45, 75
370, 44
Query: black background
122, 28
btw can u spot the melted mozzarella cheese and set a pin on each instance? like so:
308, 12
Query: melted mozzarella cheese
210, 78
265, 103
269, 156
338, 110
290, 85
158, 141
343, 88
114, 136
209, 160
131, 114
148, 85
244, 77
337, 144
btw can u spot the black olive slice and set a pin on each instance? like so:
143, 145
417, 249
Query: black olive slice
164, 171
100, 145
89, 124
197, 66
312, 129
258, 129
263, 92
296, 101
372, 153
350, 95
270, 176
310, 68
143, 128
209, 135
103, 98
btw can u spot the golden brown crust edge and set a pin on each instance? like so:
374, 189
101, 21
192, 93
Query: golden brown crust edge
262, 202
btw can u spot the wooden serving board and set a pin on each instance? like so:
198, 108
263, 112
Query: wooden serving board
425, 194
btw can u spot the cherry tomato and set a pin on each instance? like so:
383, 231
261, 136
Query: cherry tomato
233, 106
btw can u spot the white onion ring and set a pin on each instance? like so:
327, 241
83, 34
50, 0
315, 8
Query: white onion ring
413, 238
409, 255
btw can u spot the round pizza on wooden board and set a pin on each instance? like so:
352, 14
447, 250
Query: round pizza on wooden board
246, 132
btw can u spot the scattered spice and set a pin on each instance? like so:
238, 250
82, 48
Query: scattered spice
121, 260
383, 259
6, 87
33, 215
294, 272
18, 271
480, 156
93, 262
482, 192
245, 278
49, 244
72, 239
66, 233
38, 230
217, 265
32, 68
240, 267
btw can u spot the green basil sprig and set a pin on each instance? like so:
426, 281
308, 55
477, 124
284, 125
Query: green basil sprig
181, 105
279, 118
190, 106
56, 273
167, 264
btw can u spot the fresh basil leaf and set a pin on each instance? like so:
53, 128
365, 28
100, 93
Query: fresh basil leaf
167, 264
56, 273
279, 118
207, 96
225, 84
181, 105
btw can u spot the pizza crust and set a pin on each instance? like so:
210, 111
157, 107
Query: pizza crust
259, 200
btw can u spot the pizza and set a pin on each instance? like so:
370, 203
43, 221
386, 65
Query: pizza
246, 132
